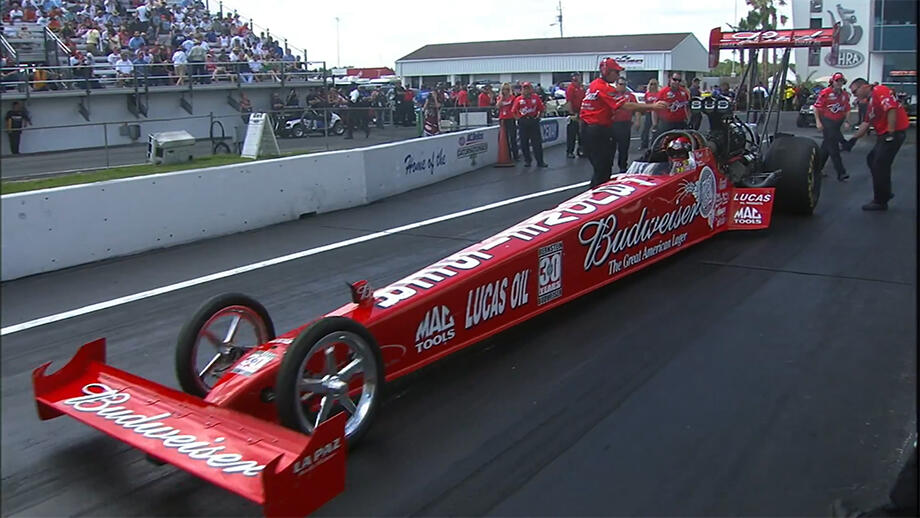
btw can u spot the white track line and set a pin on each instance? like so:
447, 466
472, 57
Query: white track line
271, 262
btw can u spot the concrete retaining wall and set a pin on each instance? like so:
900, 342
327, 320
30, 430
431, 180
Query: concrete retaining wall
57, 228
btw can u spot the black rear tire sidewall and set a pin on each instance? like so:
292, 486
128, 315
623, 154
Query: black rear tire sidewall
188, 335
799, 187
287, 397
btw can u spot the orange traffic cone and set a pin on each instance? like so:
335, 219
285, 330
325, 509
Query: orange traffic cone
504, 156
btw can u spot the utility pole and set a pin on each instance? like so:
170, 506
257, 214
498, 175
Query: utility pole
338, 56
559, 17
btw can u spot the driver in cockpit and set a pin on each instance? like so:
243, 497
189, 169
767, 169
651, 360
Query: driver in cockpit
680, 156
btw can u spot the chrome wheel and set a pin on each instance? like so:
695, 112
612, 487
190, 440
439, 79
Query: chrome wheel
332, 366
347, 379
219, 334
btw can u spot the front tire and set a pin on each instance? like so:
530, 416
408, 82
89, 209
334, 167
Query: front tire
217, 335
799, 186
333, 365
338, 129
299, 130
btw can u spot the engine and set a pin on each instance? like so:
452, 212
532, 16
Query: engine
727, 135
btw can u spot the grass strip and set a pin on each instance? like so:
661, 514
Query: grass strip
130, 171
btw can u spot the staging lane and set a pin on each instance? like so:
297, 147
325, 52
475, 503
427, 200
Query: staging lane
717, 412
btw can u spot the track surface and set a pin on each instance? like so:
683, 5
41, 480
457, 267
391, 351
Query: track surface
758, 373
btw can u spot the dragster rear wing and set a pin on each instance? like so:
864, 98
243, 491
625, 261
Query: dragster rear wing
778, 39
288, 473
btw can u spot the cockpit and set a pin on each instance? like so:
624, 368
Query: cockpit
672, 153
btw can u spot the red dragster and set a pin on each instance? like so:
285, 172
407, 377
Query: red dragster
269, 417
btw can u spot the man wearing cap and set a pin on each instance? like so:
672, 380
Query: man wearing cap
831, 110
889, 119
527, 110
574, 95
597, 109
677, 99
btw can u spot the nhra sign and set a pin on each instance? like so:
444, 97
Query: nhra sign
549, 130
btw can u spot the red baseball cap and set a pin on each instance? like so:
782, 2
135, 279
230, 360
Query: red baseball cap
838, 76
526, 84
608, 64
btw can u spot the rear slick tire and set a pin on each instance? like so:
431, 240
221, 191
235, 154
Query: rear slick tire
320, 375
799, 186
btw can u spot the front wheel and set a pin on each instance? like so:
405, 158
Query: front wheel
299, 130
801, 122
799, 186
217, 335
338, 128
333, 365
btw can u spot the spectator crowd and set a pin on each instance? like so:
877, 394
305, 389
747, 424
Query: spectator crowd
165, 43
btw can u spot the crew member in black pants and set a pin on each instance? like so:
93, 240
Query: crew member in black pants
597, 110
831, 110
527, 110
16, 118
889, 119
622, 124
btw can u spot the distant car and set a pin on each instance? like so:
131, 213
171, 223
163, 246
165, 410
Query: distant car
806, 116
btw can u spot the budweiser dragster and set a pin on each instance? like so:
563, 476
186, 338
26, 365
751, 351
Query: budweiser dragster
269, 416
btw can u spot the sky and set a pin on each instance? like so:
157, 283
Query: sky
377, 33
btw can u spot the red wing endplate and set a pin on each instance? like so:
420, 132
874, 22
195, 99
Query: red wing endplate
288, 473
823, 37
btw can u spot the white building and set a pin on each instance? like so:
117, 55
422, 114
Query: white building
878, 40
552, 60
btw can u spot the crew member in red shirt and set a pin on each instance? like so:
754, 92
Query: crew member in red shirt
650, 119
574, 94
678, 100
622, 125
527, 110
889, 119
831, 111
596, 113
505, 103
485, 97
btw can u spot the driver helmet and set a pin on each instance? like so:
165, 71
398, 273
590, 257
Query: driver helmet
679, 149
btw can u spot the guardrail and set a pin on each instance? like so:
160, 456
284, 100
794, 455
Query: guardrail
194, 74
57, 228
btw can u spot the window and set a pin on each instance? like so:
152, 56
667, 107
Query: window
815, 23
899, 12
888, 37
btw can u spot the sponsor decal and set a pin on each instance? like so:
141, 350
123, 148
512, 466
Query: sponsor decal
104, 402
747, 215
437, 328
603, 238
253, 363
319, 456
285, 341
549, 129
425, 164
549, 273
491, 300
472, 144
752, 198
471, 258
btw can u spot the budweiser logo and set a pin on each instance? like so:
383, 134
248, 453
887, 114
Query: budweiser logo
104, 401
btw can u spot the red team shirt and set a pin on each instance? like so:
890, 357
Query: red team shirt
574, 95
833, 105
463, 99
881, 100
651, 97
600, 103
505, 107
624, 115
528, 107
678, 103
484, 100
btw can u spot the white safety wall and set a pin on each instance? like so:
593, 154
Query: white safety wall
57, 228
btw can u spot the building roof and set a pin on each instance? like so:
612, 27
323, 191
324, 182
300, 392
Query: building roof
579, 45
